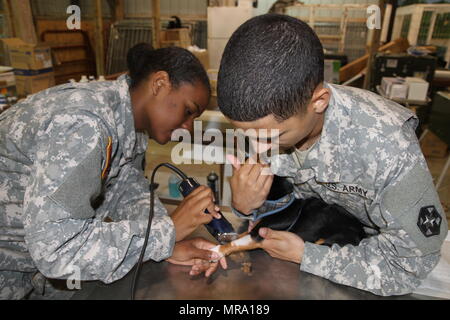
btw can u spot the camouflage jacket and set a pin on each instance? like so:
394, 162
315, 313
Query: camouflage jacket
368, 160
69, 158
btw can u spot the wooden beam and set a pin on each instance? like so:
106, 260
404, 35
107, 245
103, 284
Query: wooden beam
353, 68
99, 46
9, 19
156, 8
119, 11
374, 45
331, 6
343, 28
22, 19
183, 17
332, 19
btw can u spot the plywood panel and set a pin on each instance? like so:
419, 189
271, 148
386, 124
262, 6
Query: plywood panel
86, 25
23, 20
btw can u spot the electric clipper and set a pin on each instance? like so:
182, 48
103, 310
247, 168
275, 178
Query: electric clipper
221, 229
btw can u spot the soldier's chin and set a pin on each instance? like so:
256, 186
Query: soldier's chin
285, 147
165, 139
161, 138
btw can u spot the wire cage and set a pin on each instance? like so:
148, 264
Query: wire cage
424, 24
341, 28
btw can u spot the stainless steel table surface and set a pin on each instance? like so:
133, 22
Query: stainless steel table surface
270, 279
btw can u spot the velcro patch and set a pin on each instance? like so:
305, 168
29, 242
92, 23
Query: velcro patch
413, 202
429, 221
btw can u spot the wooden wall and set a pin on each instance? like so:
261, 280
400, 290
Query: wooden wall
79, 53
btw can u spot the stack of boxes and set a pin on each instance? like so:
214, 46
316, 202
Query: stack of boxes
409, 88
32, 65
401, 65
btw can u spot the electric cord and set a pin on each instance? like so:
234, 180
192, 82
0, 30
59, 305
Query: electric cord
149, 223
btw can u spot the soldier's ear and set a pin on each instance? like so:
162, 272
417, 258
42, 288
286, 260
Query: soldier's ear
320, 99
159, 82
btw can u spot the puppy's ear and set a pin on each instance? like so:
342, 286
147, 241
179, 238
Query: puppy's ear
280, 187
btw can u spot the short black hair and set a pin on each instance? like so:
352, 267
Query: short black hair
181, 65
271, 65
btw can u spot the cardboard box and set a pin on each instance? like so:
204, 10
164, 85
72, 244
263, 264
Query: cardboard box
394, 88
7, 79
175, 37
29, 84
386, 83
398, 91
27, 56
417, 88
432, 146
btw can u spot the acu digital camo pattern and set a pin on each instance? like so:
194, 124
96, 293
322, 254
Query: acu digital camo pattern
53, 200
368, 160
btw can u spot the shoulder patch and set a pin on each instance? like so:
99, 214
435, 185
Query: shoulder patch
414, 203
81, 187
429, 221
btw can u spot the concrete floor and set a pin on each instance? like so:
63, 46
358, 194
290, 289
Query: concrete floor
436, 165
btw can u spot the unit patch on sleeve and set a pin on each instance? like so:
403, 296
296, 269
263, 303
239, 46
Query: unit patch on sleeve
429, 221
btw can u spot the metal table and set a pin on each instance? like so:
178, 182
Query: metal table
269, 279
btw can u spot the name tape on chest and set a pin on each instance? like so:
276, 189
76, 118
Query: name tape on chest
351, 189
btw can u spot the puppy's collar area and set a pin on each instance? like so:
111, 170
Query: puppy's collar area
268, 208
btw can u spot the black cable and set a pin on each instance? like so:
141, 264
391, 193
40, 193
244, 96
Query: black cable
150, 218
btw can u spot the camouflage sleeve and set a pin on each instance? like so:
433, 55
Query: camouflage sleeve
412, 229
63, 233
127, 196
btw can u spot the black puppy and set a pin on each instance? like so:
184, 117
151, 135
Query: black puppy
311, 219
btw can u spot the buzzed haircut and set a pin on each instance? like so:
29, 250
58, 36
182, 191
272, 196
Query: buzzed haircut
271, 65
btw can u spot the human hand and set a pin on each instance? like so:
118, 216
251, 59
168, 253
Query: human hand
191, 212
250, 185
195, 252
283, 245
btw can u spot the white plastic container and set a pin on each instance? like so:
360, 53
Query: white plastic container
417, 88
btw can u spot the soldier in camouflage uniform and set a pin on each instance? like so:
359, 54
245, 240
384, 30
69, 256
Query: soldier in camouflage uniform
344, 145
74, 201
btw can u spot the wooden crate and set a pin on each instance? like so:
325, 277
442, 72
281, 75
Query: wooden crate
176, 37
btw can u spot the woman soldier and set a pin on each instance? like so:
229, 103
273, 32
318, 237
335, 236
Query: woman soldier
73, 197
